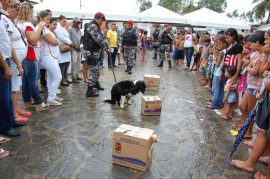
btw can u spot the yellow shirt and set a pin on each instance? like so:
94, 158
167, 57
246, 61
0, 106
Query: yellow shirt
112, 38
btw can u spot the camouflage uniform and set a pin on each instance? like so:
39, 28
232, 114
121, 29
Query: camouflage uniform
166, 39
92, 56
130, 50
156, 43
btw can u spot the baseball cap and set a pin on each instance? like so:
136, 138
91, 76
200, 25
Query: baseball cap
206, 33
100, 15
76, 19
166, 25
2, 11
130, 22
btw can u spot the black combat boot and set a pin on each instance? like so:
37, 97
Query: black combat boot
98, 86
170, 63
90, 92
129, 70
155, 56
160, 64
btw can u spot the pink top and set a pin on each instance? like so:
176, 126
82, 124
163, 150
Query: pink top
230, 85
255, 82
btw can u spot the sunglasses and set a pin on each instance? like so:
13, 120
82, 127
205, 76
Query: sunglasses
16, 6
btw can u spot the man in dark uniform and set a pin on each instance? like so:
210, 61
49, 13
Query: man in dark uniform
156, 42
166, 39
130, 41
92, 42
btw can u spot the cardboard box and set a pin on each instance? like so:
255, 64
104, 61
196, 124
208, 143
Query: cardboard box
152, 82
133, 146
151, 105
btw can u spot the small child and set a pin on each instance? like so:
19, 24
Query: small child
197, 54
180, 47
209, 64
230, 91
204, 59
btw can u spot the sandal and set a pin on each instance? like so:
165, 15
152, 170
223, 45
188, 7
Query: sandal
21, 119
24, 113
209, 99
209, 106
3, 153
249, 143
4, 140
223, 117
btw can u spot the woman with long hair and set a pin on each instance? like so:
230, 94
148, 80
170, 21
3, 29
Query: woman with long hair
30, 63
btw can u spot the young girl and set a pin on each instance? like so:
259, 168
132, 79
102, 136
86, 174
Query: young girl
246, 60
230, 92
218, 87
254, 80
197, 54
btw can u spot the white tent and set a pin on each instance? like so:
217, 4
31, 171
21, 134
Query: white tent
160, 14
264, 27
208, 18
121, 11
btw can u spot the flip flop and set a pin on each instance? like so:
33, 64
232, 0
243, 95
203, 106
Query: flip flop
209, 106
258, 175
247, 137
3, 153
24, 113
208, 99
4, 140
264, 160
234, 164
249, 143
218, 113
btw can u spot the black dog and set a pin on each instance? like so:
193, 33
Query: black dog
123, 90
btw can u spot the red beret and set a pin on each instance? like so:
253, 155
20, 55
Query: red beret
166, 25
130, 22
100, 15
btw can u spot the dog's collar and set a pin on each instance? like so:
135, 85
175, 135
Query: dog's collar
134, 82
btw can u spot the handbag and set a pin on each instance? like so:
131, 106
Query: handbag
64, 48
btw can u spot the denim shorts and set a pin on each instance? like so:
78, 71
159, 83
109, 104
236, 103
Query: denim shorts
251, 91
232, 97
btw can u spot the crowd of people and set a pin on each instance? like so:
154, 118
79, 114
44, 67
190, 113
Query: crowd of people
234, 68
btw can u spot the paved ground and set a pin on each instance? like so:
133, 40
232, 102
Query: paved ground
74, 140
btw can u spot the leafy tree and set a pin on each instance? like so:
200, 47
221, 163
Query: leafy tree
173, 5
144, 4
215, 5
234, 14
261, 8
190, 8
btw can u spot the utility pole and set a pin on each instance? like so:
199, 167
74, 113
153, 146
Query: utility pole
80, 4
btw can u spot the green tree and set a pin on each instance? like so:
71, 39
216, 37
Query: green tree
144, 4
262, 9
189, 8
173, 5
229, 15
215, 5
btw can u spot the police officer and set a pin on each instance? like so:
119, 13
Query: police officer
156, 42
92, 42
129, 41
166, 39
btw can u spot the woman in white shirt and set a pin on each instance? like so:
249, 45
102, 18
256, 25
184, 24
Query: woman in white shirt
64, 57
188, 46
19, 44
49, 57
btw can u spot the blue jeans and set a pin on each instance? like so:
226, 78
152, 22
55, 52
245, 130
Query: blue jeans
218, 93
112, 57
30, 82
101, 56
6, 107
188, 53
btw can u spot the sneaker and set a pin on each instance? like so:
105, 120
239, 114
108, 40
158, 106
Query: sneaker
58, 91
54, 103
41, 107
58, 99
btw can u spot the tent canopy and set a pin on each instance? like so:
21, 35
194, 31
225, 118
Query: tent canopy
159, 14
208, 18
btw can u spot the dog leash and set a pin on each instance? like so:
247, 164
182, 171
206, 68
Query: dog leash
110, 54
